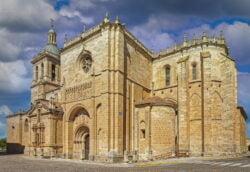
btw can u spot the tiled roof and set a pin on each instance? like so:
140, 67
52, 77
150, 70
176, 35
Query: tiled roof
51, 48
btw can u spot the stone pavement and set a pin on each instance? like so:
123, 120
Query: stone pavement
21, 163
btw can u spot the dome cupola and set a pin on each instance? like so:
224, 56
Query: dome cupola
51, 45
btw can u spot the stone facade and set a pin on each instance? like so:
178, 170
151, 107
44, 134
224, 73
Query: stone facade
105, 97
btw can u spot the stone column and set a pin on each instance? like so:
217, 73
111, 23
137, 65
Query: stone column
48, 70
206, 103
135, 135
148, 131
33, 74
68, 139
182, 104
57, 74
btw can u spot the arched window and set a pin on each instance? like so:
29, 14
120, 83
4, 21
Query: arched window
42, 73
53, 72
26, 125
36, 72
167, 71
194, 71
142, 130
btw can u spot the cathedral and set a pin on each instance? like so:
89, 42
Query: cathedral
105, 97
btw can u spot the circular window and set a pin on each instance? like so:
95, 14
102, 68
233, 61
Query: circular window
86, 64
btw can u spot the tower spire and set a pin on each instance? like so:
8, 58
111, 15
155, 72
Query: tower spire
52, 33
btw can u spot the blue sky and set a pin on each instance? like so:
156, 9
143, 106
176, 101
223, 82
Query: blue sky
156, 23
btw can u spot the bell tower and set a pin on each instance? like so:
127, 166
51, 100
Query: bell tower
46, 68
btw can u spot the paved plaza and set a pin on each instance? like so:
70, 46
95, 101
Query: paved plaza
21, 163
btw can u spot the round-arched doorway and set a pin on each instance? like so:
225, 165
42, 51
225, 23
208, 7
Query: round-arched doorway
81, 142
78, 135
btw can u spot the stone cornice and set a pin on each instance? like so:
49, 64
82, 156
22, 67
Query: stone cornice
88, 34
97, 29
16, 114
227, 56
59, 87
194, 43
164, 88
45, 82
46, 54
243, 112
84, 36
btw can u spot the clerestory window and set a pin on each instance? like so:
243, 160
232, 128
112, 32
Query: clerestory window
194, 71
167, 71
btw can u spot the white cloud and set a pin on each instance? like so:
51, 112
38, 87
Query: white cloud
76, 9
72, 13
19, 45
151, 33
243, 88
26, 14
8, 49
4, 111
14, 76
84, 4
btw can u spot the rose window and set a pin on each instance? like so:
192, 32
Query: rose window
87, 62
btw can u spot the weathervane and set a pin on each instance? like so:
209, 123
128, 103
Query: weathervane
52, 23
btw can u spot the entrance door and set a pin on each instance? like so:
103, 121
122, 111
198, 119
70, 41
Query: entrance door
86, 146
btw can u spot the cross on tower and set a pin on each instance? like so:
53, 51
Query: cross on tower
52, 23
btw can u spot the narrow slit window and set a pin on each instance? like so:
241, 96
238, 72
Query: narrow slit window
194, 71
42, 70
167, 70
53, 72
26, 125
36, 72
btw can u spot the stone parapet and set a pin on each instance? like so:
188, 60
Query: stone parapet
220, 42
